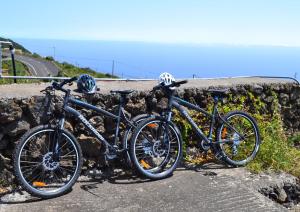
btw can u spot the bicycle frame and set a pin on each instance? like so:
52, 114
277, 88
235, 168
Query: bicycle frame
120, 117
178, 103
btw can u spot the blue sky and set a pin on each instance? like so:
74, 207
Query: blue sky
247, 22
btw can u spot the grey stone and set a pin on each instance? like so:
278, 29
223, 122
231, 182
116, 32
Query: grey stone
17, 128
257, 89
281, 195
89, 145
9, 111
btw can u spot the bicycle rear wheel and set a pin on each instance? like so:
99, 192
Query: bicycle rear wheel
240, 138
128, 134
38, 168
156, 148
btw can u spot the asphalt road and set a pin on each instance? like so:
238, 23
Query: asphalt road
36, 66
187, 190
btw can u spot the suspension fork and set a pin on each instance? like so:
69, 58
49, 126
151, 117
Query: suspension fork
169, 118
56, 142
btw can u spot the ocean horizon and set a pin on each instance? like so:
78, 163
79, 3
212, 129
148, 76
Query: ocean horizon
147, 60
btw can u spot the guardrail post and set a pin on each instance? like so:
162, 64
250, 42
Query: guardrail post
12, 53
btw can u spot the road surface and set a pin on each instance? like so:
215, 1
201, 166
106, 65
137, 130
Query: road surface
37, 67
187, 190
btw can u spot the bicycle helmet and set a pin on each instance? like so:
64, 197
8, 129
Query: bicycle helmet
166, 79
86, 84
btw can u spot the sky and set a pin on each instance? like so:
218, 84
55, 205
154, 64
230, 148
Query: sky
234, 22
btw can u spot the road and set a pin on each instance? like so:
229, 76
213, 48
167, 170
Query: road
37, 66
187, 190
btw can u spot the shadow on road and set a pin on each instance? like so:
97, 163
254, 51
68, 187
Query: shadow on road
117, 176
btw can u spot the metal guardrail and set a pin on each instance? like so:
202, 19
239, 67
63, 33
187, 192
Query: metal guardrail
63, 78
262, 77
137, 79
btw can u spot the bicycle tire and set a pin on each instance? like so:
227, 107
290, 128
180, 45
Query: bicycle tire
17, 169
233, 159
155, 173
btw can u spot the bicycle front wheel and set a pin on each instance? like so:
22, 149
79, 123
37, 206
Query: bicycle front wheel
47, 164
156, 148
239, 138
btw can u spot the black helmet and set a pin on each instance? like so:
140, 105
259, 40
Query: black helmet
86, 84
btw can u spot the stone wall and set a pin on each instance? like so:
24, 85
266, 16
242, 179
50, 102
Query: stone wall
19, 115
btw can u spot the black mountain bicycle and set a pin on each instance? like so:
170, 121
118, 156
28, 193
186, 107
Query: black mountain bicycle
48, 158
236, 141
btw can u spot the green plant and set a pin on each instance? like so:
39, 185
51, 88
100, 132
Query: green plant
21, 70
69, 70
276, 153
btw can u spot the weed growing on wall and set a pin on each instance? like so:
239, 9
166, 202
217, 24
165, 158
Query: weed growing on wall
276, 153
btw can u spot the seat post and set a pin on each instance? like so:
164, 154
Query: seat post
121, 104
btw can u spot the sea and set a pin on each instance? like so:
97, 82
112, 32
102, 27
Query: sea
148, 60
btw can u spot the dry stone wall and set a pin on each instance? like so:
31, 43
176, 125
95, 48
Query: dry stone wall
17, 116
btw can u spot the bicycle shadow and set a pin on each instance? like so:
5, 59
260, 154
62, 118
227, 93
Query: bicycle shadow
208, 168
129, 177
125, 177
113, 176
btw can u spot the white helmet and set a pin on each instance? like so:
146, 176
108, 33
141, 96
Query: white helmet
166, 79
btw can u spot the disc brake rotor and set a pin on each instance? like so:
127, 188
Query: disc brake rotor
48, 162
158, 149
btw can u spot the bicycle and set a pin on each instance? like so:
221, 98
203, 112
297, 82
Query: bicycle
48, 158
229, 144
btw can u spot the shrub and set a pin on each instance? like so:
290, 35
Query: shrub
277, 152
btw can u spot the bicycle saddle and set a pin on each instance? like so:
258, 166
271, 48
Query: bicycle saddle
216, 92
122, 92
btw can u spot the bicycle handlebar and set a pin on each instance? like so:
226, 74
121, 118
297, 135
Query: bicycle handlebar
174, 84
58, 86
66, 81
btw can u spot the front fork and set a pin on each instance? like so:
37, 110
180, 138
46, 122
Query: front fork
166, 134
55, 143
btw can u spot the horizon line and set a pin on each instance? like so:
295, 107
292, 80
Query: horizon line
164, 42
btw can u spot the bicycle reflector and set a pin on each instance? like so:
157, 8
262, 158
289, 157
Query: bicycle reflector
39, 184
224, 133
145, 164
152, 125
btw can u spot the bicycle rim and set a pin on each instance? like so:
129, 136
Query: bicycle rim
243, 141
155, 150
37, 169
